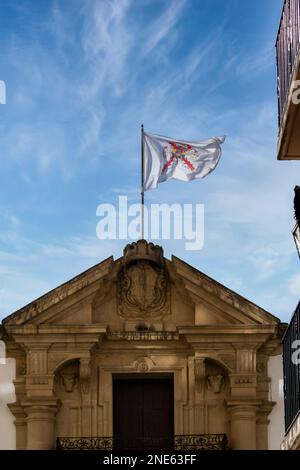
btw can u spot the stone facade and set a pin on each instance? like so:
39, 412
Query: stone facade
141, 314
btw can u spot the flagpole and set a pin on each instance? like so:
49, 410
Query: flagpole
142, 181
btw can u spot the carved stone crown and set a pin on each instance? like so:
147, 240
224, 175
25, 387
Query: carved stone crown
142, 250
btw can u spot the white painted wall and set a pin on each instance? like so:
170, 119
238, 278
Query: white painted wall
7, 395
276, 417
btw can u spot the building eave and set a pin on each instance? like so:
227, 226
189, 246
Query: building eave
288, 147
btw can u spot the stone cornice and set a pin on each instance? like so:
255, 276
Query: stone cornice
44, 335
244, 330
59, 293
228, 296
251, 337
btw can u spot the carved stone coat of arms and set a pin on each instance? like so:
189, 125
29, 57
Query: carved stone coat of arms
143, 290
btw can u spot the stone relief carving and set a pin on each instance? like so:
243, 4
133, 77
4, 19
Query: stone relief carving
143, 364
68, 377
69, 381
215, 382
142, 290
143, 282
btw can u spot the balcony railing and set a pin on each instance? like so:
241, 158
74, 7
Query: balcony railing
291, 370
287, 49
84, 443
184, 442
201, 442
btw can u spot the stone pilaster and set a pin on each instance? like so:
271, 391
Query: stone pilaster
242, 425
40, 423
198, 396
20, 424
38, 382
262, 425
85, 384
243, 404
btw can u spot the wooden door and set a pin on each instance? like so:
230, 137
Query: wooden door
143, 413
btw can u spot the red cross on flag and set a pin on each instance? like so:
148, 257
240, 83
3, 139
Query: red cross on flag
166, 158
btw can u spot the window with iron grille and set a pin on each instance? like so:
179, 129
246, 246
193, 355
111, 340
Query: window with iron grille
287, 50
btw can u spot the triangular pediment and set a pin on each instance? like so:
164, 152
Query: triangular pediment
214, 300
67, 303
97, 296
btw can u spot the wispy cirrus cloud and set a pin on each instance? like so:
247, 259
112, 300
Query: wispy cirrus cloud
256, 62
106, 42
294, 284
82, 76
163, 25
51, 263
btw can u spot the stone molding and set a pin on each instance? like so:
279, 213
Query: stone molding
59, 294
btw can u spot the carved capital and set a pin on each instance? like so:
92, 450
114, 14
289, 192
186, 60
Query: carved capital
40, 408
18, 412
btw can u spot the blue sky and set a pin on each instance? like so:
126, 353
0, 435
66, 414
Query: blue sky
81, 77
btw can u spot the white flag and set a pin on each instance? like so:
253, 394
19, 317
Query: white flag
166, 158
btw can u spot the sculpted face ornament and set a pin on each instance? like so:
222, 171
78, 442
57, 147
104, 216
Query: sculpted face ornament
69, 381
215, 382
